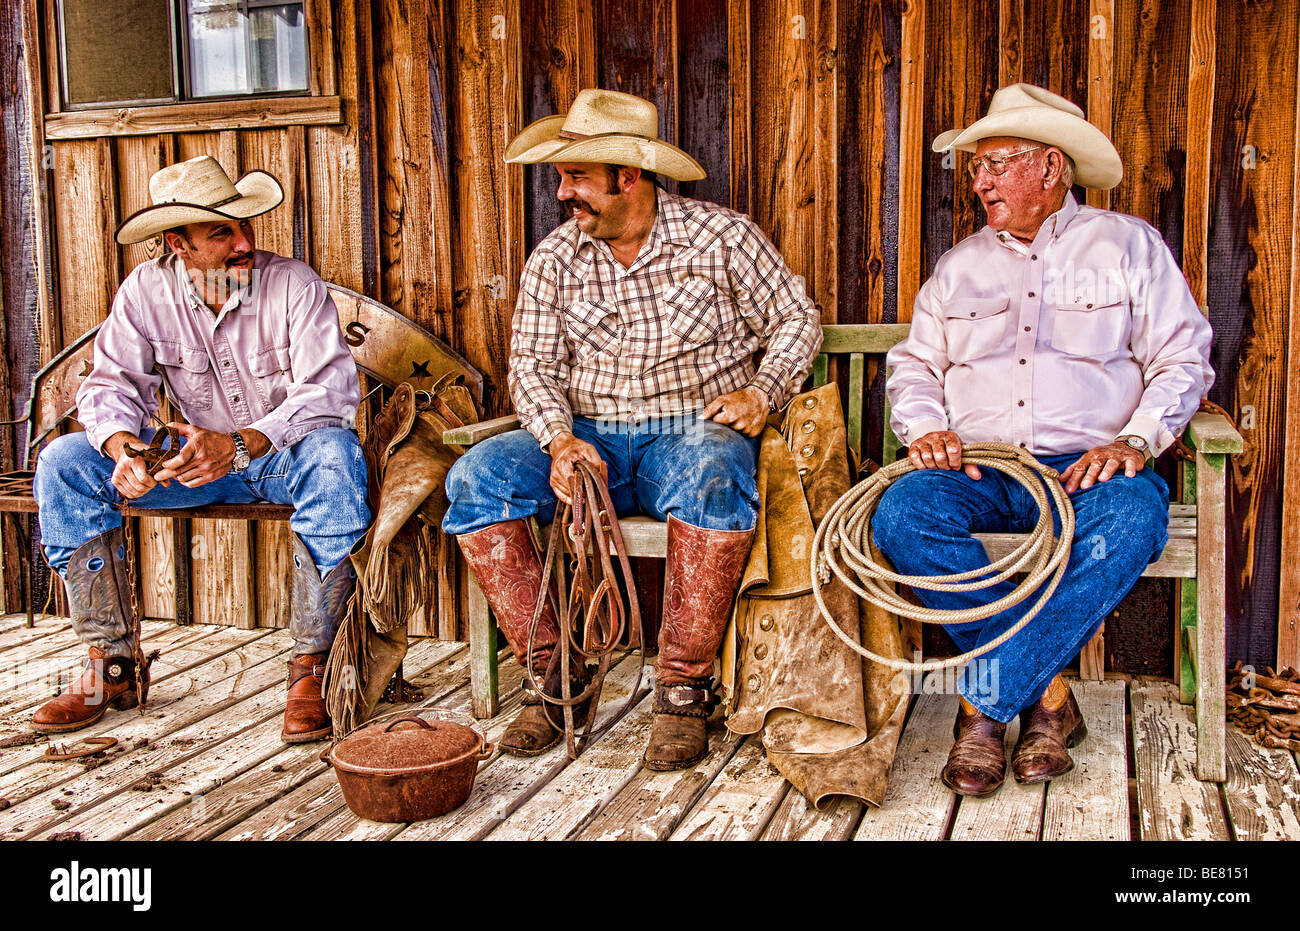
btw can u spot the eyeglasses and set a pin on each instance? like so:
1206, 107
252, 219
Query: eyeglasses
995, 166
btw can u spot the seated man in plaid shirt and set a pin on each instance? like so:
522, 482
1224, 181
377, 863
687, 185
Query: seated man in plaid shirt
633, 349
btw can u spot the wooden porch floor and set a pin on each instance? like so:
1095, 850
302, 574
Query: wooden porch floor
206, 762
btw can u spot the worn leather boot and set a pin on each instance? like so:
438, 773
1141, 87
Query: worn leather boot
977, 763
319, 606
700, 579
540, 725
106, 681
305, 716
505, 561
99, 600
1040, 753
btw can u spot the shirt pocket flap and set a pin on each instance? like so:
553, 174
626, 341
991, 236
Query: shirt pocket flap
191, 359
693, 310
975, 308
1089, 328
270, 361
592, 327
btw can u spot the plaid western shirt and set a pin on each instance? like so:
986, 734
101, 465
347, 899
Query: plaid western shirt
663, 337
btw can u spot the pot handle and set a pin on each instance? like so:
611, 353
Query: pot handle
486, 751
325, 755
408, 717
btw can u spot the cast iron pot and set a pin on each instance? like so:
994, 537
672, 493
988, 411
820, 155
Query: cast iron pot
407, 774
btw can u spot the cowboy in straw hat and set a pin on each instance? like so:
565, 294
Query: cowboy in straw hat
1067, 330
270, 394
633, 349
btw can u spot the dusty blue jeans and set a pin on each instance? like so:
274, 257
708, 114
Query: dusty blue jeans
700, 472
924, 522
323, 476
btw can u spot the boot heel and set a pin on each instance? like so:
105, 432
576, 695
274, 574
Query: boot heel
126, 701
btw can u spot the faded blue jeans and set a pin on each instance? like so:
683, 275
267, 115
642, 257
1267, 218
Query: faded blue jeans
924, 522
699, 471
323, 476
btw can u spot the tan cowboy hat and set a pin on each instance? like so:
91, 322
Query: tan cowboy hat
199, 191
1031, 112
608, 127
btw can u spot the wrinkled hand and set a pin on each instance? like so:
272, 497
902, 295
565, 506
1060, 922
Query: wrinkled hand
940, 449
205, 457
745, 410
565, 450
1099, 464
130, 475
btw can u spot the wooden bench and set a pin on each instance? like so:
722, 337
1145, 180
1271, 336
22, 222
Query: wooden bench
387, 348
1195, 554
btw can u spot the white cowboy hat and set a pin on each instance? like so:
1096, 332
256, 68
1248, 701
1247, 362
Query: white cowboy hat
1031, 112
199, 191
608, 127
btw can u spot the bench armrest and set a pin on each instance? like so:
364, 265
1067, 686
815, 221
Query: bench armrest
478, 432
1213, 433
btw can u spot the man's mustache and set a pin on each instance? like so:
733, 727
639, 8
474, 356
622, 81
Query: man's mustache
568, 205
230, 262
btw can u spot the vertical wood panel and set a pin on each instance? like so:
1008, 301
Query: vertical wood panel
1288, 622
739, 127
85, 210
1249, 294
1101, 84
912, 151
704, 96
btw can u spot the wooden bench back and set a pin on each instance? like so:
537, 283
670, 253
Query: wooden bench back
385, 346
855, 342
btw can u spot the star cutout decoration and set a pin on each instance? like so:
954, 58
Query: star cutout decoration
420, 370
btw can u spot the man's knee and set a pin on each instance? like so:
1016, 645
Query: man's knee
709, 480
1126, 513
331, 453
69, 459
910, 505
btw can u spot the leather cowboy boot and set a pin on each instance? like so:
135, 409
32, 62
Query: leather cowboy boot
99, 599
700, 580
504, 560
319, 606
1047, 728
977, 763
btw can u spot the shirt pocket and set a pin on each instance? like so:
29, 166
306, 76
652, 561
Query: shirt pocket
593, 329
185, 369
272, 371
975, 327
1090, 330
694, 316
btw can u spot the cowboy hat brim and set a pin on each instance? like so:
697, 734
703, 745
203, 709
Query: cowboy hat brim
1097, 164
537, 142
259, 192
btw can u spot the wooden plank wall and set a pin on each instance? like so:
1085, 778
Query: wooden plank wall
814, 116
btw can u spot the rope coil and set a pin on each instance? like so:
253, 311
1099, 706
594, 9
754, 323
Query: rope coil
842, 548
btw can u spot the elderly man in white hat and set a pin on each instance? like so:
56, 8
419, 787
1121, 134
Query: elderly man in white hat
1066, 330
633, 349
247, 345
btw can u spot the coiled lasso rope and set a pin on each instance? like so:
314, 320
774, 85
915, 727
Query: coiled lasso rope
842, 546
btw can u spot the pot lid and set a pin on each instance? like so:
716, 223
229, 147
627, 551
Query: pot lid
406, 744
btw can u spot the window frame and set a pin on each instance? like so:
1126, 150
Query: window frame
312, 106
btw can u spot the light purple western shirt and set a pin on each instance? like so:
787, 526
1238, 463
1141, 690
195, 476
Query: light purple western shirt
273, 359
1085, 334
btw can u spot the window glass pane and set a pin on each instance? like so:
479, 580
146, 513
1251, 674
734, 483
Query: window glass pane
237, 50
117, 57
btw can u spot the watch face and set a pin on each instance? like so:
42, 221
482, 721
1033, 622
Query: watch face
1136, 442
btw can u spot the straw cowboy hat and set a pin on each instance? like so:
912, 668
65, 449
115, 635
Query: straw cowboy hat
1031, 112
199, 191
608, 127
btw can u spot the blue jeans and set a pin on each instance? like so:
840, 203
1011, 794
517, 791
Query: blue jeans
323, 476
924, 525
699, 471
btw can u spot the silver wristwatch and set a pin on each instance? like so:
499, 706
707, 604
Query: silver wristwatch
1134, 441
242, 459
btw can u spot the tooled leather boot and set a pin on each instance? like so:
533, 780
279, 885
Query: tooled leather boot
1045, 734
700, 579
505, 561
106, 681
977, 763
319, 606
99, 601
540, 725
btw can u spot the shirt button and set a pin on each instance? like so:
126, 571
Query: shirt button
972, 313
1020, 403
1023, 446
1027, 329
236, 398
1034, 257
226, 364
1023, 361
1031, 293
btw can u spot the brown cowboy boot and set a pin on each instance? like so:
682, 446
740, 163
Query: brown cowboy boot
1047, 728
99, 600
504, 560
700, 580
977, 763
319, 606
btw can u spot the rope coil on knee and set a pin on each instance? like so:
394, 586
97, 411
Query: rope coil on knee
842, 548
